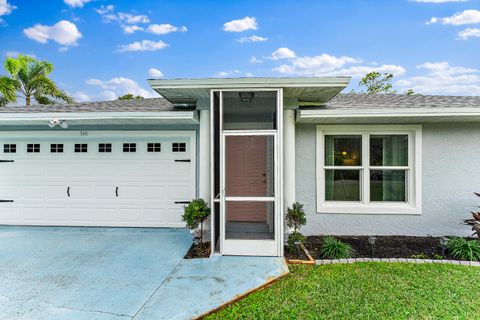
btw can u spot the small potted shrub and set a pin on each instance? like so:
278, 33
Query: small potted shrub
295, 219
195, 214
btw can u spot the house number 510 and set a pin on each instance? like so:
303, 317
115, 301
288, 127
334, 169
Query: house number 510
83, 133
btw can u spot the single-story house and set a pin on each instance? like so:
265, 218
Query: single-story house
361, 164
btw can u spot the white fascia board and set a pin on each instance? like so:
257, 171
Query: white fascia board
225, 83
177, 116
309, 115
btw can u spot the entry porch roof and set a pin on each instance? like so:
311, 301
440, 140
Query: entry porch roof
308, 90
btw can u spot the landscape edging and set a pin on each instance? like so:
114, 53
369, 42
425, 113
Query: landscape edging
418, 261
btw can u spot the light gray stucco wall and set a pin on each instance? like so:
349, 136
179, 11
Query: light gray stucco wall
451, 173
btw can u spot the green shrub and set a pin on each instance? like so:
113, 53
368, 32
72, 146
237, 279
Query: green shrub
436, 256
461, 248
332, 248
295, 219
293, 239
419, 256
195, 214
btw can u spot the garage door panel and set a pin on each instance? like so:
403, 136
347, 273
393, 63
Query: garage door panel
148, 183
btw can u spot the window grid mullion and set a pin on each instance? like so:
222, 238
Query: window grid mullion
366, 170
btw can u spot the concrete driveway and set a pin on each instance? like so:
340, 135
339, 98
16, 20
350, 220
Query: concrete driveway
84, 273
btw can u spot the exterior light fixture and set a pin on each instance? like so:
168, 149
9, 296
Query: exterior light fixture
372, 240
246, 96
56, 122
443, 242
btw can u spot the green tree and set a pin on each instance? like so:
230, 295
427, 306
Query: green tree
129, 96
195, 214
28, 78
376, 82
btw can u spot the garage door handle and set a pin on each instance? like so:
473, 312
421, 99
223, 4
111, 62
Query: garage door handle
182, 202
116, 191
7, 160
68, 192
182, 160
6, 200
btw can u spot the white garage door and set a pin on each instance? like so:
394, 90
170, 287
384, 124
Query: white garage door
96, 178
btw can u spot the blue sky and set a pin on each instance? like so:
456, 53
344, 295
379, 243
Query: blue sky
102, 49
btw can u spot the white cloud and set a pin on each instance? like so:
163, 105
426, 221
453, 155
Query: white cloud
108, 15
144, 45
254, 59
76, 3
165, 28
469, 33
438, 1
14, 54
444, 69
63, 49
247, 23
232, 73
328, 65
465, 17
63, 32
119, 86
283, 53
132, 19
6, 8
253, 38
129, 29
442, 78
152, 72
315, 65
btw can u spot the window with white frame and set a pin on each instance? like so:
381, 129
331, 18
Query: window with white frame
368, 169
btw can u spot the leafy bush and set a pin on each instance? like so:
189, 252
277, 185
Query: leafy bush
295, 219
475, 221
332, 248
195, 214
464, 249
293, 239
419, 256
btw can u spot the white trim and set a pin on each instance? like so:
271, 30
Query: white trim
81, 117
244, 246
364, 206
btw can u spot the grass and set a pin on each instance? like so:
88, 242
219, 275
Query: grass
366, 291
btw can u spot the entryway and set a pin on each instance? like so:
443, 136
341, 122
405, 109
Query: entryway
247, 179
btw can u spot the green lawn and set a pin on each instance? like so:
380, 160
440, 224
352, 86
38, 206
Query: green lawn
366, 291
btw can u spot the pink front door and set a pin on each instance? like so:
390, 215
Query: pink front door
246, 176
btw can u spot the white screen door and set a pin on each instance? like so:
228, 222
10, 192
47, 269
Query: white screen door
249, 174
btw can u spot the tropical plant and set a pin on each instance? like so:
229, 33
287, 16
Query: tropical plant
295, 218
29, 78
129, 96
195, 214
332, 248
461, 248
475, 221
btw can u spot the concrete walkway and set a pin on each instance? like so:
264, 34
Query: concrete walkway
117, 273
197, 286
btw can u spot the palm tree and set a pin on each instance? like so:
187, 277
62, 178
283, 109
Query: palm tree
28, 78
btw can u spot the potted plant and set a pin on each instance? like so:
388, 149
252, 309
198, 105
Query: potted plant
295, 219
195, 214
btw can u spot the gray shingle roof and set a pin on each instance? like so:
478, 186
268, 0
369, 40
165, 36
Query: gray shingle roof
353, 101
140, 105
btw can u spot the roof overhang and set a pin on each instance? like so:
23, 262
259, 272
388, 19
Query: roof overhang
308, 90
388, 116
102, 118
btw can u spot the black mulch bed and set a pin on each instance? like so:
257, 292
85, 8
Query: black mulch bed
385, 247
199, 251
